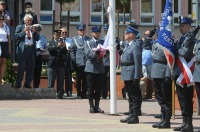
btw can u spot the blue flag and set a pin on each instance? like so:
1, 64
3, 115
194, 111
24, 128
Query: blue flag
165, 34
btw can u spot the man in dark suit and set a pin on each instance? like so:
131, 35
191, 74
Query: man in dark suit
26, 51
94, 69
78, 56
28, 10
57, 50
131, 72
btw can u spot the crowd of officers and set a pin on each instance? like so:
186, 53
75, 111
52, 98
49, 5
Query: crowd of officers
67, 55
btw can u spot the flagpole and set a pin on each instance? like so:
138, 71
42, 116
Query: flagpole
113, 101
173, 81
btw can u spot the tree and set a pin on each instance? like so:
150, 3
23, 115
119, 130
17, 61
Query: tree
61, 2
124, 3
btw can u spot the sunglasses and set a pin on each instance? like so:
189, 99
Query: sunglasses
64, 32
1, 19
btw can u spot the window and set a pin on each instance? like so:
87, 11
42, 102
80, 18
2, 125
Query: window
147, 12
127, 10
96, 11
75, 12
192, 11
177, 9
46, 11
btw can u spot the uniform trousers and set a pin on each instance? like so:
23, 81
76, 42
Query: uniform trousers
163, 94
135, 98
105, 87
81, 83
52, 74
26, 62
197, 85
68, 81
94, 85
37, 71
185, 96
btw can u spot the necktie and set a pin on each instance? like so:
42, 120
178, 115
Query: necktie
28, 34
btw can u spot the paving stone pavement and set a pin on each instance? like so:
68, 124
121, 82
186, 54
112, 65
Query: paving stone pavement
72, 115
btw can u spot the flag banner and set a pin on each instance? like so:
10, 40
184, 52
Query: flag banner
165, 39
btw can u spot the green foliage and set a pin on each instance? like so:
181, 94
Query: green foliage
65, 1
44, 71
9, 75
125, 2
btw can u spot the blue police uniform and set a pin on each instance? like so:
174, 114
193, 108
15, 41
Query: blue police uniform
41, 45
131, 72
184, 48
94, 69
79, 60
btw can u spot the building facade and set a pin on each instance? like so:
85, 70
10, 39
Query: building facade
147, 14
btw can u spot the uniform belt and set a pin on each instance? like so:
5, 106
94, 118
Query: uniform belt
197, 62
28, 45
160, 62
127, 64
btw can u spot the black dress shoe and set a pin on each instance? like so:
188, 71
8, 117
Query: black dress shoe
164, 125
180, 127
98, 110
134, 120
125, 120
59, 97
157, 116
156, 125
69, 94
92, 109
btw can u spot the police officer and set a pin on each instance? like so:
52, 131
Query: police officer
161, 75
196, 72
94, 70
184, 54
78, 56
57, 51
106, 62
41, 45
131, 72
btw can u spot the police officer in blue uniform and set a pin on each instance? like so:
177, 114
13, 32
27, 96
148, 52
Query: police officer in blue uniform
41, 45
106, 62
94, 69
184, 48
78, 57
57, 51
196, 72
161, 75
131, 72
